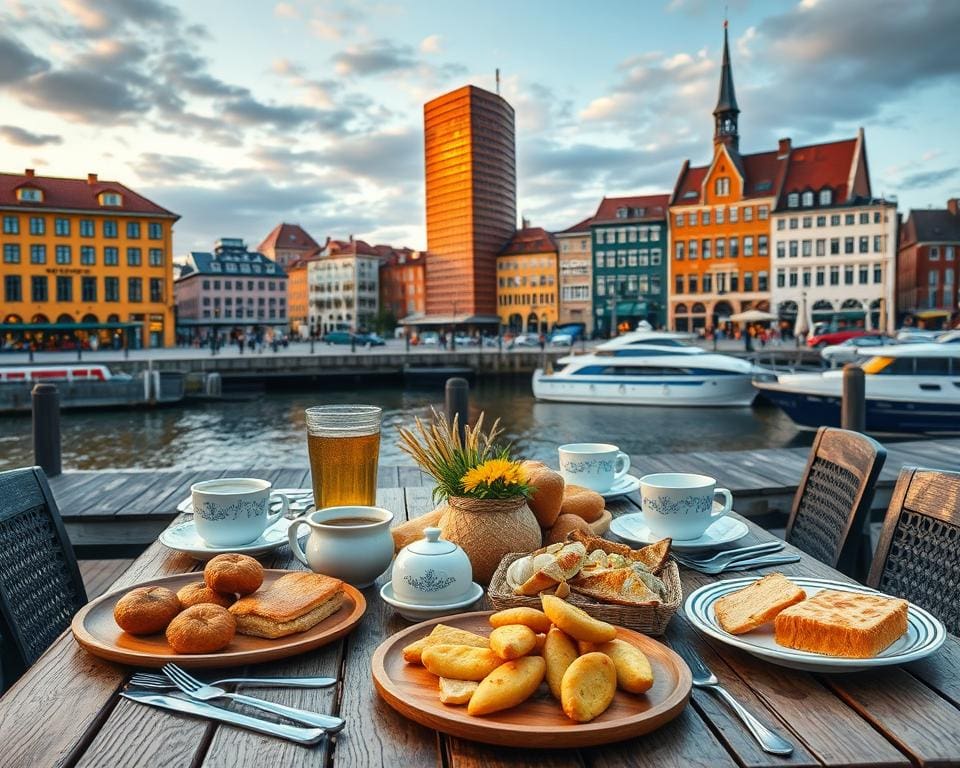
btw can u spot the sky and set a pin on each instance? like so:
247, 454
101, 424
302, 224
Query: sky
239, 115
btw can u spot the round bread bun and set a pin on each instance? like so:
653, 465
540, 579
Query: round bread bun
564, 525
198, 593
582, 502
548, 492
204, 628
146, 610
233, 573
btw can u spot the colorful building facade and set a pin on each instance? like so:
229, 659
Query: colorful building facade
403, 288
576, 275
928, 283
344, 286
527, 282
629, 273
288, 243
84, 259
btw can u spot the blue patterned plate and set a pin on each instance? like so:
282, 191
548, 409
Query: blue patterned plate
424, 612
623, 486
183, 537
925, 633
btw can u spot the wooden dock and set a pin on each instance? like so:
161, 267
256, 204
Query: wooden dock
119, 512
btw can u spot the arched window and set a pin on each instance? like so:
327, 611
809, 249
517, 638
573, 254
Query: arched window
681, 309
826, 197
807, 199
699, 309
793, 200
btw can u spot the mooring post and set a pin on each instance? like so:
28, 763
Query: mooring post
457, 393
46, 428
853, 408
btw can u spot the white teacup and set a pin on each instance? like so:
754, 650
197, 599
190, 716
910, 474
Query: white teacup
596, 466
681, 505
231, 511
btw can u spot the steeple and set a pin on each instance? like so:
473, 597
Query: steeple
725, 114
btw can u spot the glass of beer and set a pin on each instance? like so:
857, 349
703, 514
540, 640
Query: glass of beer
344, 444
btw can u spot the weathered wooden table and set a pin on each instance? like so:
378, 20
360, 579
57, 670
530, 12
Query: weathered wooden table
65, 710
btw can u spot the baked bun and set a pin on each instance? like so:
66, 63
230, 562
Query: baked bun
582, 502
237, 574
548, 492
204, 628
564, 525
198, 593
146, 610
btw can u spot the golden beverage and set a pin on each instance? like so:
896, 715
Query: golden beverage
344, 469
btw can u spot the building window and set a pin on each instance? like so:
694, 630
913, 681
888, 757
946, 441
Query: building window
678, 220
747, 246
705, 246
781, 224
692, 284
821, 274
111, 289
678, 283
692, 249
807, 222
12, 288
29, 195
707, 283
849, 219
692, 219
86, 228
821, 221
705, 218
748, 213
61, 227
848, 245
864, 244
793, 200
721, 248
133, 230
947, 251
134, 257
793, 278
719, 215
793, 249
11, 225
835, 220
806, 278
88, 255
877, 273
38, 288
834, 275
834, 246
762, 281
793, 222
934, 253
877, 242
109, 228
806, 248
110, 198
821, 247
156, 257
864, 217
155, 231
134, 289
63, 255
863, 274
678, 250
722, 186
38, 225
38, 253
734, 214
762, 248
64, 288
848, 274
807, 199
826, 197
88, 289
748, 281
111, 256
763, 212
156, 289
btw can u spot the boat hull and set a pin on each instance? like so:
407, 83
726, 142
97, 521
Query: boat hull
703, 391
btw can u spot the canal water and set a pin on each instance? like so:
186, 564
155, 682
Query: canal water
268, 431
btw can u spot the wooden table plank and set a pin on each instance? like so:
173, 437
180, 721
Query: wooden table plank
388, 476
941, 671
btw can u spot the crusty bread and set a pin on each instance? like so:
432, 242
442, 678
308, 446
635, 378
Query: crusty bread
293, 603
456, 691
551, 566
756, 604
653, 556
839, 623
621, 586
562, 527
547, 492
582, 502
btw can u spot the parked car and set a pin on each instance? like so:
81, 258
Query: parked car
525, 340
369, 340
830, 338
561, 339
852, 349
429, 339
462, 340
337, 337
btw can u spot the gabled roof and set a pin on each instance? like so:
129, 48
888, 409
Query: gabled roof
580, 226
934, 225
639, 208
352, 247
820, 165
291, 236
76, 195
530, 240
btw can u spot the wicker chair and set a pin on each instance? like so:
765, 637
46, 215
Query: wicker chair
918, 555
832, 503
40, 584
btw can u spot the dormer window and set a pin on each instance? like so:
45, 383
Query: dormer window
113, 199
30, 195
826, 197
214, 267
722, 186
622, 213
793, 200
807, 199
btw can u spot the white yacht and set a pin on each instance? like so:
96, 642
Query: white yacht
909, 388
649, 368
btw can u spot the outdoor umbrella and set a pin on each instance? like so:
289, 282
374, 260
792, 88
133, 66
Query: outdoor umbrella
752, 316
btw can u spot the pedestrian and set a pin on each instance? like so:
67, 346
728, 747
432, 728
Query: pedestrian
240, 341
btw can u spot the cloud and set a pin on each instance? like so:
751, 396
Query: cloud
430, 44
17, 61
23, 138
286, 11
925, 179
376, 57
79, 95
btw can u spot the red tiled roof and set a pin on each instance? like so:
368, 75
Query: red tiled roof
821, 165
580, 226
653, 206
530, 240
350, 248
76, 195
931, 225
690, 182
289, 236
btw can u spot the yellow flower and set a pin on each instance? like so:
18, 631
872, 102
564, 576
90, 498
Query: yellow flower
510, 472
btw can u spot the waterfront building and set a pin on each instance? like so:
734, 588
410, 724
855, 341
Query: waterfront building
298, 297
344, 286
84, 258
576, 275
471, 202
230, 291
403, 290
527, 282
288, 243
629, 263
927, 279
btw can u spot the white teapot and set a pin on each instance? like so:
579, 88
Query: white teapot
431, 571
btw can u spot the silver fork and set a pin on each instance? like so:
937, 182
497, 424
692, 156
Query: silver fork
712, 569
197, 690
148, 680
704, 678
733, 554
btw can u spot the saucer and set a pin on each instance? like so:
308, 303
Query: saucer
623, 486
633, 530
423, 612
184, 538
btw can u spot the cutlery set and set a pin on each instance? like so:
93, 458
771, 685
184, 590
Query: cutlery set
740, 559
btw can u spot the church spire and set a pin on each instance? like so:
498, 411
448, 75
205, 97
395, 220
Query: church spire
725, 114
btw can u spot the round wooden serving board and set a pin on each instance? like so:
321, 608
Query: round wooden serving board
539, 721
94, 628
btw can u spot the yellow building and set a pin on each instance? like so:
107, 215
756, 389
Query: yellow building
527, 282
83, 259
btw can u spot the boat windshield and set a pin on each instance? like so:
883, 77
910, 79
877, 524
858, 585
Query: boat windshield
648, 352
910, 366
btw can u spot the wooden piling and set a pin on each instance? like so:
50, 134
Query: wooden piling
46, 428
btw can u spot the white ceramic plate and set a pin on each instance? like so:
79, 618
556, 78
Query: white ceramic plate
925, 633
623, 486
633, 530
184, 538
424, 612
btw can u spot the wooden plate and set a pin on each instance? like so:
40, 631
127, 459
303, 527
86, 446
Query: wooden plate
539, 721
94, 628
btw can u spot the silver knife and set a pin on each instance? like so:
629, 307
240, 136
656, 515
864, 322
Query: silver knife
178, 703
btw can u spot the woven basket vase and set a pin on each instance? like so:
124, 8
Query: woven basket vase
487, 529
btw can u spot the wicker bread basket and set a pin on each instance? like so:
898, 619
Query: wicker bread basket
651, 619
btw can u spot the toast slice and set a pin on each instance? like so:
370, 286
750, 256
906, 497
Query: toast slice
293, 603
456, 691
839, 623
757, 603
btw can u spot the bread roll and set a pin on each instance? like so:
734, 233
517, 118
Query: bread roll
559, 652
588, 687
512, 641
548, 492
529, 617
460, 662
412, 530
576, 622
634, 673
508, 685
564, 525
442, 635
582, 502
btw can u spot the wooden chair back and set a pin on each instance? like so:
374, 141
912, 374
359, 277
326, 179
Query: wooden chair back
832, 503
40, 583
918, 555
